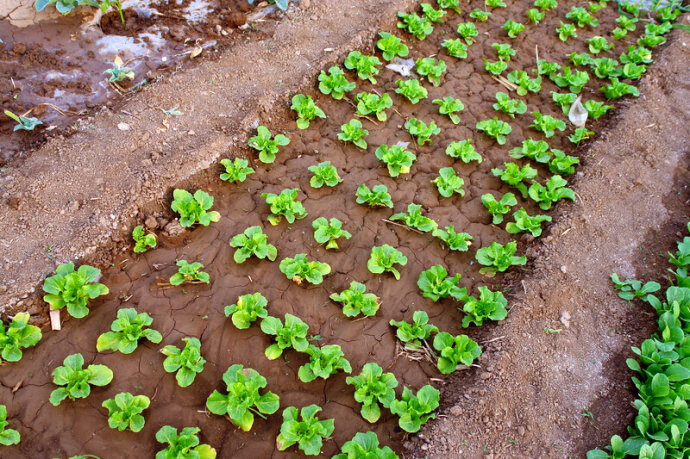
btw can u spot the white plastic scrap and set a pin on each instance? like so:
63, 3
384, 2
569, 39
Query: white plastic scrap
578, 113
402, 66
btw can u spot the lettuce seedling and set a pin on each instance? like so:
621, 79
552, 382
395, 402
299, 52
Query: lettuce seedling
498, 258
267, 145
412, 90
392, 46
23, 123
633, 71
467, 30
432, 14
464, 150
514, 175
306, 109
8, 437
504, 51
453, 240
435, 284
479, 15
300, 269
450, 106
323, 362
510, 106
581, 59
186, 443
561, 163
369, 103
397, 159
513, 28
365, 445
581, 17
631, 289
378, 196
373, 386
573, 80
526, 223
355, 301
383, 258
352, 132
554, 191
414, 219
418, 26
63, 6
73, 288
189, 273
448, 182
535, 16
193, 208
596, 6
126, 331
413, 333
243, 399
667, 14
308, 433
495, 68
253, 242
415, 410
579, 135
605, 67
495, 3
619, 33
118, 72
651, 41
124, 411
247, 310
450, 5
421, 130
616, 89
564, 100
291, 334
432, 69
455, 48
495, 129
77, 380
547, 124
498, 209
626, 23
328, 232
490, 305
455, 351
285, 205
598, 44
524, 83
18, 335
324, 174
636, 55
186, 362
367, 67
335, 83
536, 150
547, 68
546, 5
566, 31
142, 241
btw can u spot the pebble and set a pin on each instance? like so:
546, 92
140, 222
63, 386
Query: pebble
123, 126
565, 318
456, 410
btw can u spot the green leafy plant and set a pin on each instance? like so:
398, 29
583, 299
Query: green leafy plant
536, 150
515, 176
418, 26
619, 33
8, 437
524, 83
328, 232
455, 351
605, 67
545, 5
17, 336
193, 207
479, 15
526, 223
554, 191
547, 68
467, 30
392, 46
627, 23
633, 71
510, 106
73, 289
431, 68
497, 258
267, 145
566, 31
369, 103
126, 331
412, 334
352, 132
489, 305
495, 68
373, 387
355, 301
573, 80
367, 67
118, 72
504, 51
598, 44
323, 362
636, 55
77, 379
247, 310
411, 90
513, 28
464, 150
377, 196
535, 16
414, 219
581, 59
448, 182
397, 158
189, 273
64, 6
252, 242
186, 362
453, 240
580, 134
631, 289
547, 124
421, 131
306, 109
435, 284
24, 123
450, 106
243, 399
498, 209
365, 445
335, 83
384, 258
291, 334
581, 17
300, 269
562, 164
324, 174
285, 205
615, 89
432, 14
495, 129
415, 410
455, 47
142, 241
308, 433
124, 411
186, 444
564, 100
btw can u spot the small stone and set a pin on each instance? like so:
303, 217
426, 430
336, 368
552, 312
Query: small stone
123, 126
485, 375
564, 269
150, 223
565, 318
521, 431
456, 410
173, 229
305, 4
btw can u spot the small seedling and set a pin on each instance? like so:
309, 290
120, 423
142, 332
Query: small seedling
455, 48
467, 30
479, 15
418, 26
308, 433
562, 164
397, 158
566, 31
378, 196
328, 232
391, 46
631, 289
526, 223
252, 242
598, 44
412, 334
605, 67
573, 80
300, 269
579, 135
489, 305
324, 174
284, 205
514, 175
236, 170
448, 183
504, 51
189, 273
352, 132
547, 124
431, 68
615, 89
421, 131
247, 310
306, 110
495, 129
193, 208
367, 67
17, 336
495, 68
536, 150
535, 16
497, 258
365, 445
513, 28
581, 59
266, 144
23, 123
323, 362
9, 437
495, 3
435, 284
498, 209
414, 219
453, 240
415, 410
450, 106
77, 380
450, 5
581, 17
355, 301
564, 100
463, 150
411, 90
546, 5
455, 351
554, 191
124, 411
118, 72
73, 289
186, 444
335, 83
185, 363
126, 331
384, 258
373, 387
524, 83
142, 241
369, 103
510, 106
292, 334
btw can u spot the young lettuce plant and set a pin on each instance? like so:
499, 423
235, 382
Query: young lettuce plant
636, 55
324, 174
467, 30
300, 269
450, 5
581, 17
510, 106
562, 164
77, 379
373, 387
243, 399
411, 90
432, 14
455, 351
267, 145
463, 150
581, 59
193, 208
335, 83
498, 209
564, 100
489, 305
355, 301
247, 310
605, 67
384, 258
126, 331
418, 26
328, 232
573, 80
547, 124
414, 219
535, 16
185, 363
435, 284
526, 223
352, 132
189, 273
306, 110
565, 31
453, 240
421, 131
18, 335
524, 83
495, 129
598, 44
252, 242
455, 47
479, 15
448, 182
415, 410
554, 191
285, 205
292, 334
546, 5
515, 176
497, 258
432, 69
392, 46
365, 445
377, 196
307, 433
142, 241
536, 150
8, 437
118, 72
124, 411
412, 334
631, 289
580, 134
504, 51
495, 3
370, 103
186, 444
23, 123
323, 362
73, 289
495, 68
616, 89
450, 106
397, 158
367, 67
513, 28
